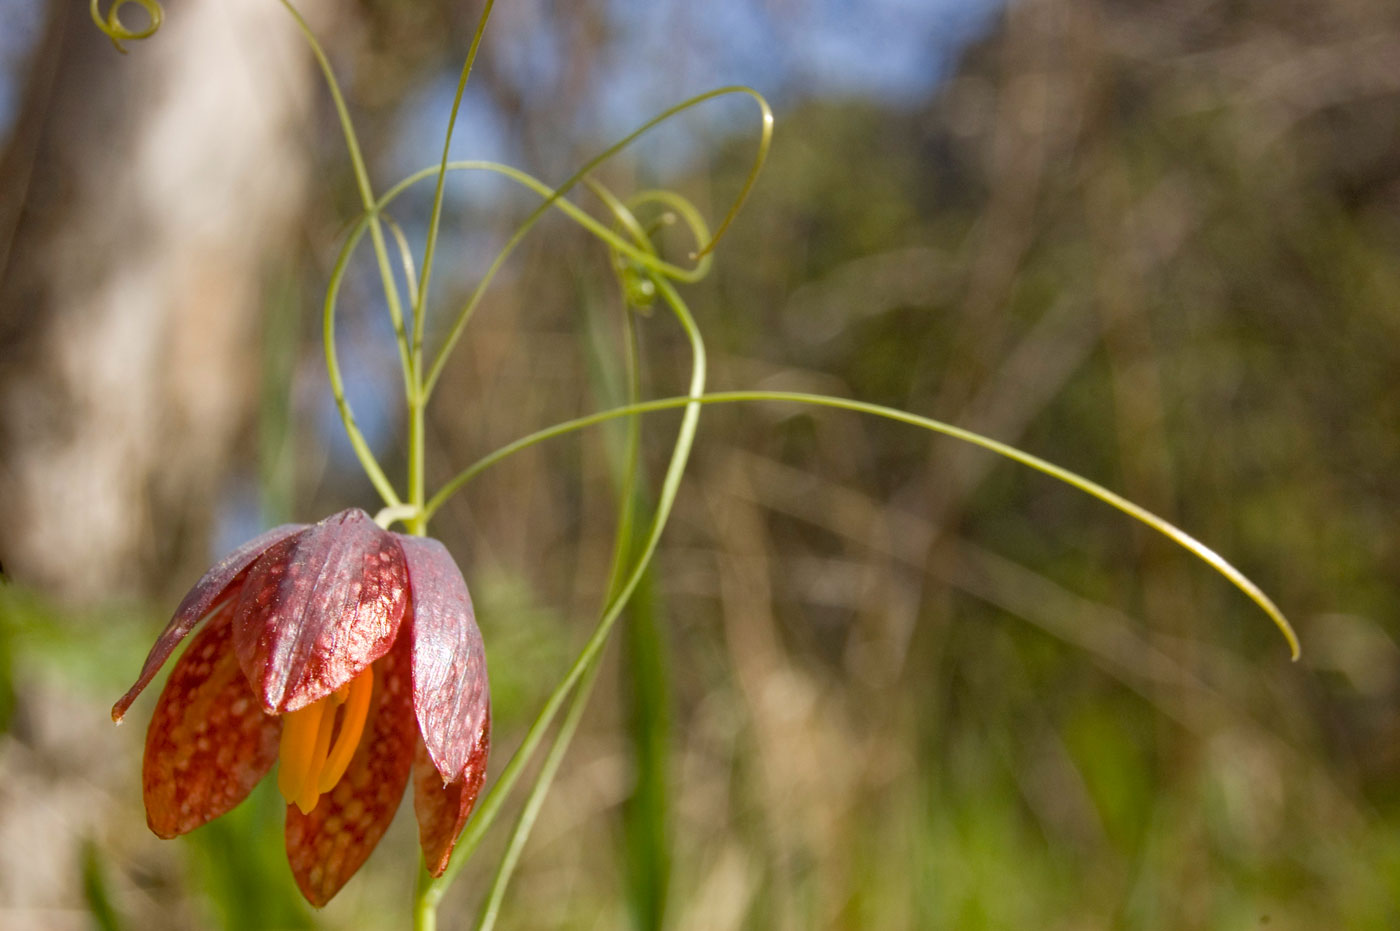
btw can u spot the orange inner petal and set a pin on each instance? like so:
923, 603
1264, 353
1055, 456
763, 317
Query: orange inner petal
352, 726
315, 752
299, 730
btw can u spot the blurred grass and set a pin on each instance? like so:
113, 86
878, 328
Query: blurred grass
95, 891
241, 865
647, 815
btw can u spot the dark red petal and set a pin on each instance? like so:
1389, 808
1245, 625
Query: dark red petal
209, 742
442, 810
450, 692
327, 846
316, 609
196, 605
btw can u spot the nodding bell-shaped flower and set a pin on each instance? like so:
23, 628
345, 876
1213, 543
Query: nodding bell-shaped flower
348, 654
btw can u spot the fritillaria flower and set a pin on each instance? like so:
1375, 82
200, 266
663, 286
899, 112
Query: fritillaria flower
350, 656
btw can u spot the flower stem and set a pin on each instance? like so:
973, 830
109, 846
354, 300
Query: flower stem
424, 904
366, 190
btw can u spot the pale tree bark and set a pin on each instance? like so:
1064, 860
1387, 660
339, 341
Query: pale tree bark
142, 199
144, 196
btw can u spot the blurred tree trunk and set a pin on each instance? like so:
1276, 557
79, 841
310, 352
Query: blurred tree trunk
143, 195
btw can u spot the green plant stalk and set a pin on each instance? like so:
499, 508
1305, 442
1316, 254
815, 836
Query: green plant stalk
425, 917
410, 275
417, 399
491, 909
632, 452
417, 524
617, 577
554, 199
645, 676
1092, 488
647, 692
430, 893
391, 294
435, 219
366, 190
352, 430
419, 402
622, 546
417, 395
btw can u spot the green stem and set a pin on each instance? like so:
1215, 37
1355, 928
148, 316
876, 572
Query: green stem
417, 398
435, 221
617, 576
627, 492
425, 903
366, 190
352, 429
416, 525
490, 806
1162, 526
410, 272
553, 198
337, 382
548, 770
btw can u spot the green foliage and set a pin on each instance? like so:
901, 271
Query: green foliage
95, 890
241, 866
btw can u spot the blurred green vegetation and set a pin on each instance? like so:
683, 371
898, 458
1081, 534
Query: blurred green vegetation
877, 680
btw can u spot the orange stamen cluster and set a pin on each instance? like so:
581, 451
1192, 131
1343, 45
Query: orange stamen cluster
319, 741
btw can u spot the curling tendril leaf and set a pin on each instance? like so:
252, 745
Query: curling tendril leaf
113, 27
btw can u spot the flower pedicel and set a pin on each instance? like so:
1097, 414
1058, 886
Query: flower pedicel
352, 656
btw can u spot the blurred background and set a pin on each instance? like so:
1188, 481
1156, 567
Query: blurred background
875, 679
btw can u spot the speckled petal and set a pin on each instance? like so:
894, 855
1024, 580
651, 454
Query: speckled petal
328, 845
450, 693
442, 810
209, 741
196, 605
316, 609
